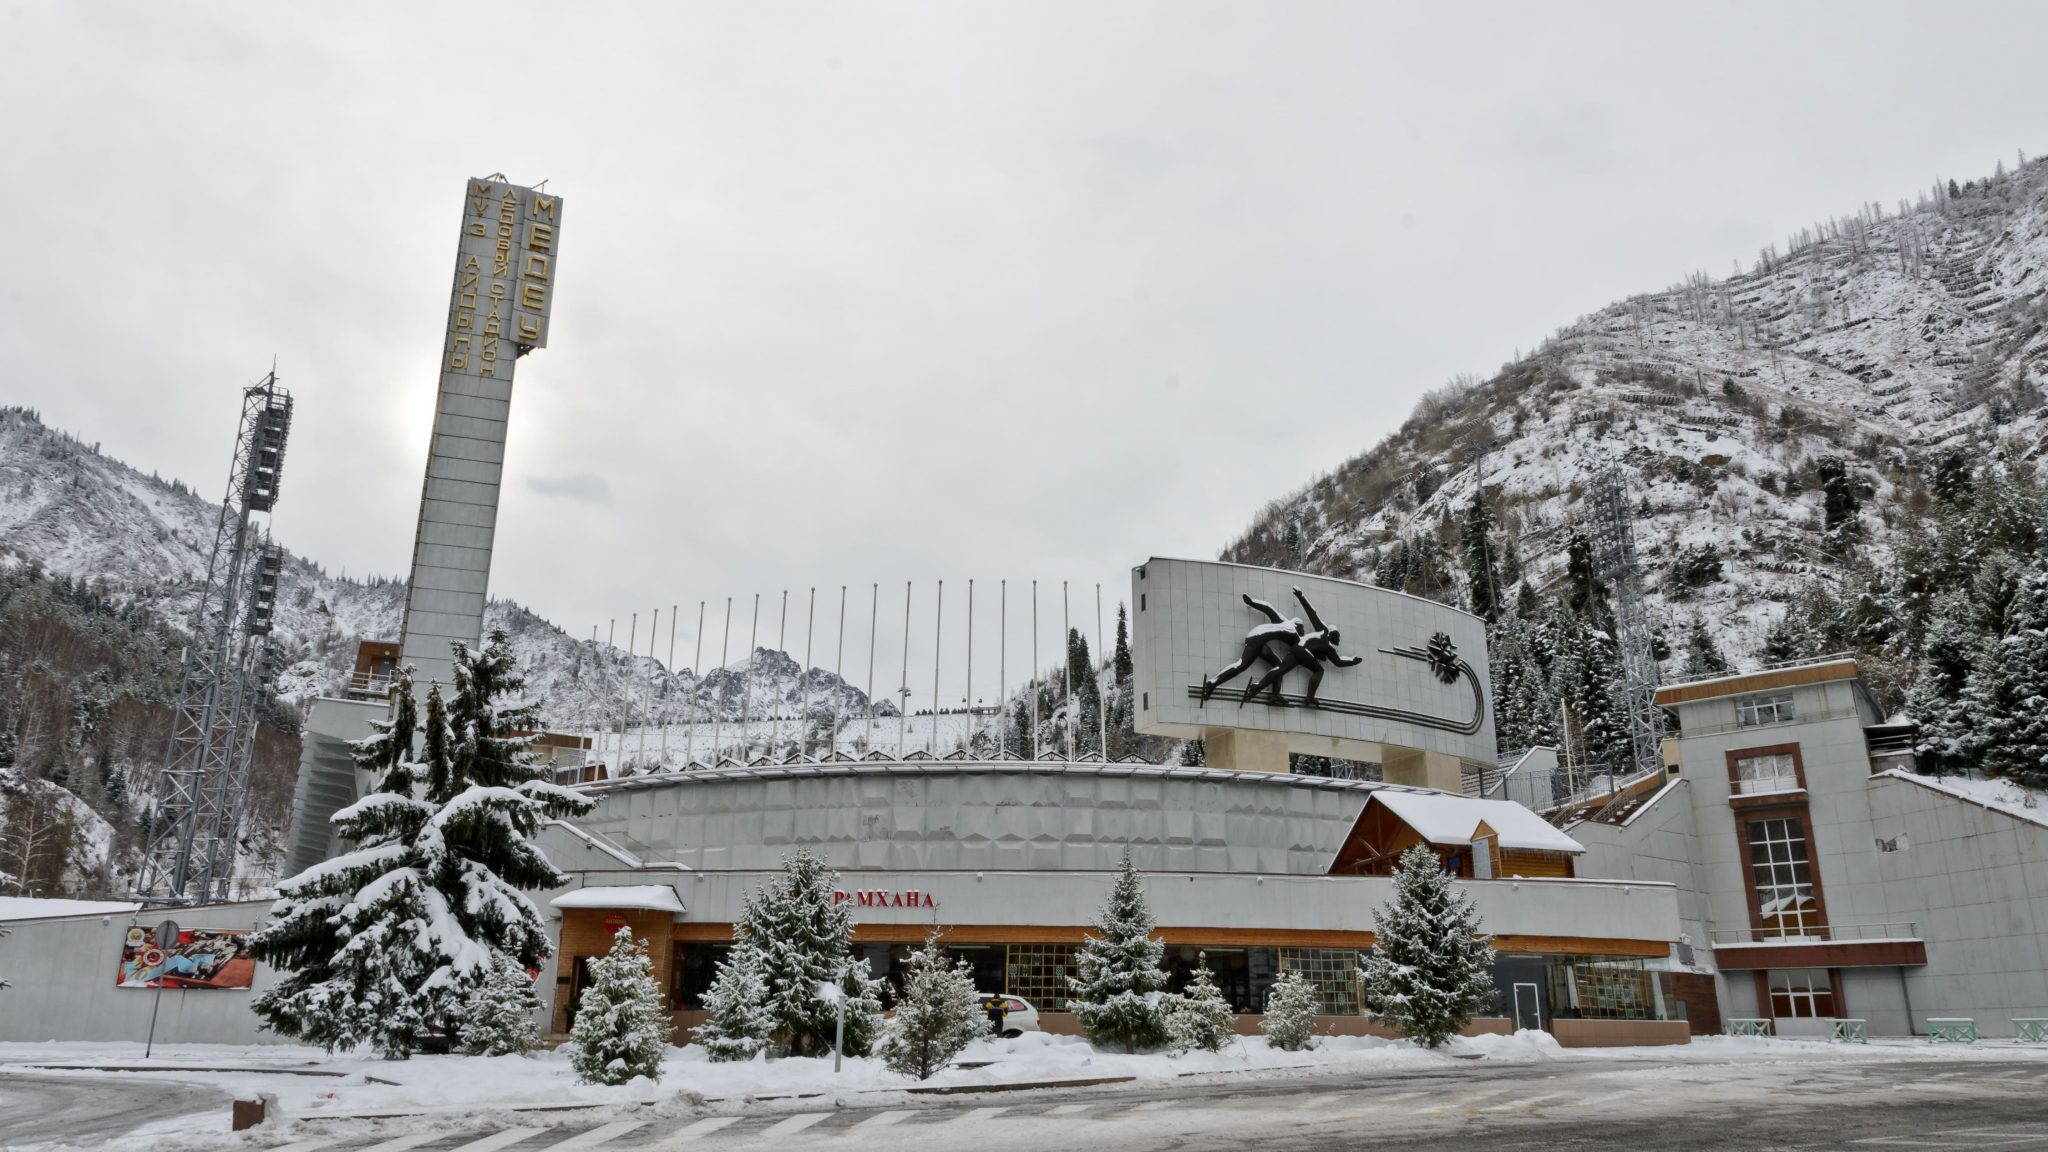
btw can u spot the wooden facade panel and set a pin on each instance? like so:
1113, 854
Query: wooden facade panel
1534, 864
1824, 954
1777, 678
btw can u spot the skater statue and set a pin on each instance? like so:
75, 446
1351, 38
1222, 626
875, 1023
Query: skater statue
1284, 644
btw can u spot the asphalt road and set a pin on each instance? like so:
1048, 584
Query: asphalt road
1650, 1104
88, 1112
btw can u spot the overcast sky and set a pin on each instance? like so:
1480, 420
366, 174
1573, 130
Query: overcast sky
873, 292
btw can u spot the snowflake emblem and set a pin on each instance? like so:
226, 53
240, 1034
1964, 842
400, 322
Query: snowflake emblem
1443, 658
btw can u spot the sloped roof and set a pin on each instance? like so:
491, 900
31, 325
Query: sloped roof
649, 897
1442, 818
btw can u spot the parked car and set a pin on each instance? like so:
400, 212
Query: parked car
1017, 1014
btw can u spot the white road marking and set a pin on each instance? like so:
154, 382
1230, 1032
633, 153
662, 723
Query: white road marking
401, 1143
790, 1125
884, 1119
1066, 1109
700, 1129
597, 1136
1525, 1102
497, 1140
977, 1115
307, 1145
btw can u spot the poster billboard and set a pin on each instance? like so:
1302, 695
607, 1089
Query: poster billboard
198, 958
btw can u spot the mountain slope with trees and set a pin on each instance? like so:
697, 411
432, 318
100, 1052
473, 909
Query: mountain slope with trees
1815, 450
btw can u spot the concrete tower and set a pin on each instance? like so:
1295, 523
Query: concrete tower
497, 312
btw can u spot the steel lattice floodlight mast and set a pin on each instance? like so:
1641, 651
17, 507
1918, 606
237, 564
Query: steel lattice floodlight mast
189, 854
1614, 559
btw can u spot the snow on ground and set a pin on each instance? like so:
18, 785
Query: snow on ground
441, 1091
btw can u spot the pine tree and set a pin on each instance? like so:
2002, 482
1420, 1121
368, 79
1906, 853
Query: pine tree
2006, 692
1476, 535
1200, 1017
1117, 995
1290, 1013
1702, 656
1084, 715
938, 1014
386, 942
502, 1016
1124, 666
805, 940
1937, 700
741, 1023
1430, 971
620, 1031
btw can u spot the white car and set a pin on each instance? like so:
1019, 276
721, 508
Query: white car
1019, 1016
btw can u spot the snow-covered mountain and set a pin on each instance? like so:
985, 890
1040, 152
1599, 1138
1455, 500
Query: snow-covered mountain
140, 538
1881, 338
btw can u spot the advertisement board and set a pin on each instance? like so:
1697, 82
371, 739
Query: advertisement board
198, 958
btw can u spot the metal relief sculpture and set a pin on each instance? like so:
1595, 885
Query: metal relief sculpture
1284, 644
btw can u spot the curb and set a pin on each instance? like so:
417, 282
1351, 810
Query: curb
195, 1068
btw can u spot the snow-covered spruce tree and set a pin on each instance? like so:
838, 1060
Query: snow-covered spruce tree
1290, 1013
1117, 995
355, 934
388, 940
806, 939
502, 1016
1937, 701
621, 1031
2007, 690
1430, 970
741, 1023
1200, 1017
937, 1015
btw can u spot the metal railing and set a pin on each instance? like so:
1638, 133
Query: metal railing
1738, 726
1818, 933
370, 684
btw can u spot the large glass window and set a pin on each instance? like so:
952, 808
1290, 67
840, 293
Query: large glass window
1596, 988
1785, 900
1039, 973
695, 967
1802, 993
1775, 708
1334, 972
1772, 773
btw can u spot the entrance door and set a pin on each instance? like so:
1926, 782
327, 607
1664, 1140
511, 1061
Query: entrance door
1528, 1007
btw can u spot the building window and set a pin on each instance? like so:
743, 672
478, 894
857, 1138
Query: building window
1334, 972
1777, 772
1802, 993
1783, 875
1039, 973
1593, 988
1776, 708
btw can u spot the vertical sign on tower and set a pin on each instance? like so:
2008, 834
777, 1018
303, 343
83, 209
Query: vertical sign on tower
498, 311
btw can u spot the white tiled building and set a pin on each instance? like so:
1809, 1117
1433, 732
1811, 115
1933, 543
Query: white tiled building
1819, 877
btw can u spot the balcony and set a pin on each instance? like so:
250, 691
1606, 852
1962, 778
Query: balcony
1890, 943
368, 685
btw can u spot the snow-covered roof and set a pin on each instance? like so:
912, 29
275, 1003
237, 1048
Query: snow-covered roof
650, 897
1441, 818
33, 908
2014, 800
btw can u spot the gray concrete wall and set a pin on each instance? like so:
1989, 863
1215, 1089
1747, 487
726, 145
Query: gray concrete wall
1657, 843
995, 815
63, 974
1976, 881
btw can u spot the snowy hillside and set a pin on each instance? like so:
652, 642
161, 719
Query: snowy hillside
1880, 338
142, 539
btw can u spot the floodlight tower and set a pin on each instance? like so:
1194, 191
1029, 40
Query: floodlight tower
1614, 561
200, 790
